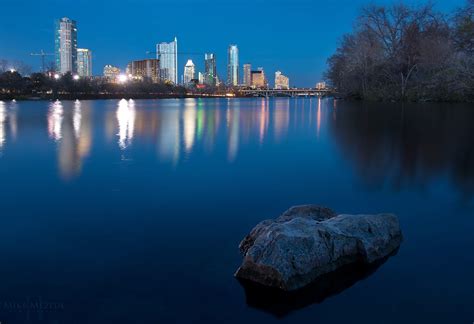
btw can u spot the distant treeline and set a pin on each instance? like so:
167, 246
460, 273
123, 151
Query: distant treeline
400, 52
38, 85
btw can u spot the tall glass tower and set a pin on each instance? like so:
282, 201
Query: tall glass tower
210, 72
65, 42
167, 53
233, 65
84, 62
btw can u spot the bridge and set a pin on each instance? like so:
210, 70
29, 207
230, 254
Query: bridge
296, 92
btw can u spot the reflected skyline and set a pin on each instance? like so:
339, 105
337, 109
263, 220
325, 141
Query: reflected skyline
383, 146
71, 129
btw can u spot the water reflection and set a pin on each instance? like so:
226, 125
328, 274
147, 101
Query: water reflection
71, 128
387, 144
409, 145
281, 304
3, 119
55, 120
126, 122
8, 121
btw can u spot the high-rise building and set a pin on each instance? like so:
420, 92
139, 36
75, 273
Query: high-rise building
258, 79
210, 77
167, 53
145, 69
233, 65
248, 75
282, 82
65, 42
84, 62
189, 72
111, 72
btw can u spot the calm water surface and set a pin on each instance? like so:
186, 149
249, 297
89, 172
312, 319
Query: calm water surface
132, 211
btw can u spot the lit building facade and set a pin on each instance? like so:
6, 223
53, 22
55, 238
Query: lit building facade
167, 53
210, 73
65, 43
258, 79
247, 75
233, 65
84, 62
189, 72
111, 72
321, 85
145, 69
282, 82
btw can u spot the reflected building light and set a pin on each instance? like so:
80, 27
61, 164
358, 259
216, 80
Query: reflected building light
169, 141
281, 117
77, 118
13, 120
126, 122
76, 139
233, 124
318, 118
189, 125
69, 163
3, 119
55, 119
263, 120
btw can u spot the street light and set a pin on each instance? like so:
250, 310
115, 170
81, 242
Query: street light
122, 78
57, 76
76, 77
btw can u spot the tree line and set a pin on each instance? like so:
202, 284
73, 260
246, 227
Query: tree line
411, 53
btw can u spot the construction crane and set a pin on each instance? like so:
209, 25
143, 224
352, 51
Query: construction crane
179, 53
43, 55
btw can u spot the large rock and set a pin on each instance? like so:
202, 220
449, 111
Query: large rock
309, 241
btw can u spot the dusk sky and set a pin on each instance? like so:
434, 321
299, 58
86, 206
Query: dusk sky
295, 36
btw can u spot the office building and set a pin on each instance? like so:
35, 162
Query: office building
84, 62
189, 72
282, 82
247, 75
167, 53
148, 69
210, 73
258, 79
233, 65
111, 73
66, 46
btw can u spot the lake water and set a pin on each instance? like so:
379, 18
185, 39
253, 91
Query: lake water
132, 211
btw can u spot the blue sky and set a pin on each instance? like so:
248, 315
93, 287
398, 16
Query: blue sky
294, 36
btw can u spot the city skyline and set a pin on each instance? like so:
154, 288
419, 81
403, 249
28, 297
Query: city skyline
115, 43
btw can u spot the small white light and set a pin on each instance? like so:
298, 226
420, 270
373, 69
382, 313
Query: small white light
76, 77
56, 76
12, 70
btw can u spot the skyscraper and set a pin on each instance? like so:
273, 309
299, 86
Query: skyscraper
281, 81
233, 65
167, 53
65, 42
248, 75
189, 72
84, 62
210, 77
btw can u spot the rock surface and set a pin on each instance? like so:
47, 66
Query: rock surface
309, 241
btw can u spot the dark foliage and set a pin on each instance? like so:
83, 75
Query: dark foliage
407, 53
